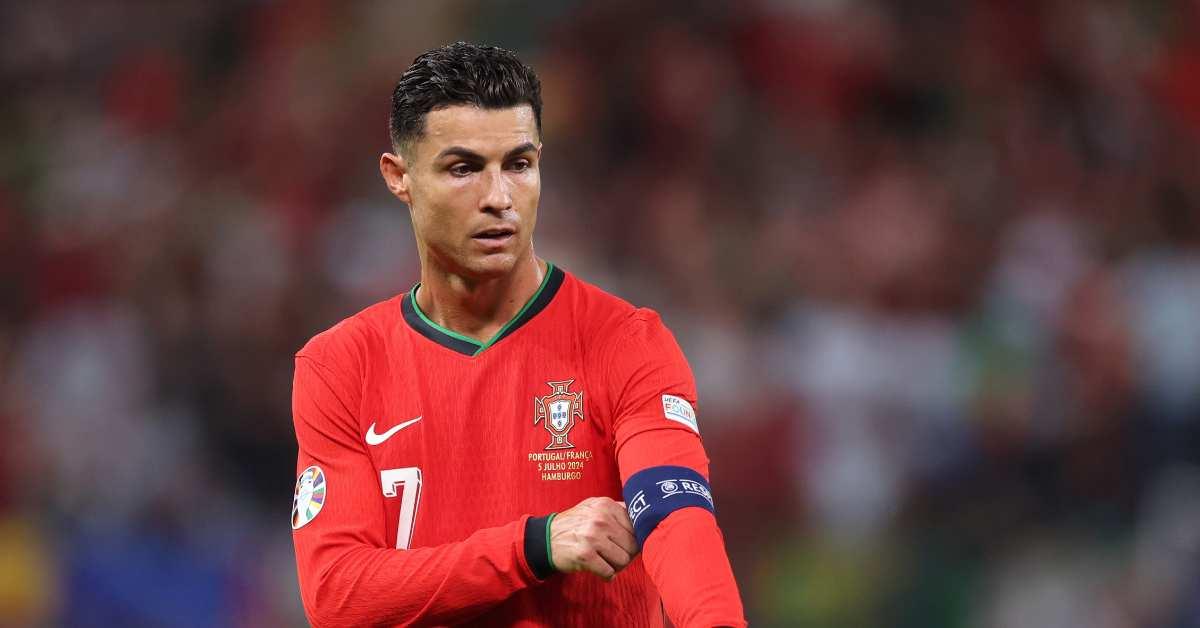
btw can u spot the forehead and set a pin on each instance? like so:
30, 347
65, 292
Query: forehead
484, 131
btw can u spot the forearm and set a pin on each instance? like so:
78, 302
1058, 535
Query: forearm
685, 557
356, 584
684, 553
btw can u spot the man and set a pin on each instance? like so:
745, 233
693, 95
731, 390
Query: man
441, 430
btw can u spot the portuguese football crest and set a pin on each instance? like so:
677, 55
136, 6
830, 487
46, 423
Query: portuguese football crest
558, 411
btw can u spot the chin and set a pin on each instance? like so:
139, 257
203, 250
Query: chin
490, 266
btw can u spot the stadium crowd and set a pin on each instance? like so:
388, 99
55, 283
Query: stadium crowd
936, 266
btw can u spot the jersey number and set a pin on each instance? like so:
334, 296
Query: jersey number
410, 479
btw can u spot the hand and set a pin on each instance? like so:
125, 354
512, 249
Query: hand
595, 535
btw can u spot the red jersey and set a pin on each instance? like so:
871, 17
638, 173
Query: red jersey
415, 438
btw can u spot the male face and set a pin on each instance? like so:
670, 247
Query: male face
472, 185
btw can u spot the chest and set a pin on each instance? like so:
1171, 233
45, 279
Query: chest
488, 437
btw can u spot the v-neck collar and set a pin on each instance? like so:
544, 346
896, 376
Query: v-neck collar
469, 346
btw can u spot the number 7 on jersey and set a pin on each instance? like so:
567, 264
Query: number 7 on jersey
410, 479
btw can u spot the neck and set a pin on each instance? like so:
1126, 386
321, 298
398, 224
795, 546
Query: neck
478, 308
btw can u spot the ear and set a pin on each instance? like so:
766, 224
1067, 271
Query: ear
395, 174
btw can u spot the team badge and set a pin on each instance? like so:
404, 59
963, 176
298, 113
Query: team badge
558, 411
309, 498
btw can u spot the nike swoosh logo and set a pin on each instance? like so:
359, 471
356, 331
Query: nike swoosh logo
375, 439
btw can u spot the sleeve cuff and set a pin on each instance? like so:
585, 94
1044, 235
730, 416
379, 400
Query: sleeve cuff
537, 546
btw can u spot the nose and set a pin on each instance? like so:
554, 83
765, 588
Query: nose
496, 196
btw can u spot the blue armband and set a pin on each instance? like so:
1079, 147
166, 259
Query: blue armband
652, 494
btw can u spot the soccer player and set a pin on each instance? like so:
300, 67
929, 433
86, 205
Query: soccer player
464, 445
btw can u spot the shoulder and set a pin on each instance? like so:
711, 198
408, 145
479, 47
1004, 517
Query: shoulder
606, 320
348, 343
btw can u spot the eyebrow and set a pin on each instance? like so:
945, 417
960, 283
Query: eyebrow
467, 153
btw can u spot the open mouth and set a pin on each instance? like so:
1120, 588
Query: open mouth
495, 234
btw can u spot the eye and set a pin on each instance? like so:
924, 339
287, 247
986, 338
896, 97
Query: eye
521, 165
460, 169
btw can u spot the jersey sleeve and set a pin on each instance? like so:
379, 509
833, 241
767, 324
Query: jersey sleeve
654, 423
349, 573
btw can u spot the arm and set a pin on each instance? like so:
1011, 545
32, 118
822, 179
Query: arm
349, 574
685, 553
655, 426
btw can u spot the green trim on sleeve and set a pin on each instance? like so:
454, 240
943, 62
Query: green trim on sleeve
549, 556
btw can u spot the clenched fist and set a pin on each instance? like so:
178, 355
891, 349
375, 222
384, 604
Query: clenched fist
595, 535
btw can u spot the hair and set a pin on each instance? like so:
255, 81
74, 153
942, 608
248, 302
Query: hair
460, 74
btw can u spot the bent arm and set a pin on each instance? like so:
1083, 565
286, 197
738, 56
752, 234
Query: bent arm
657, 440
685, 552
349, 573
356, 584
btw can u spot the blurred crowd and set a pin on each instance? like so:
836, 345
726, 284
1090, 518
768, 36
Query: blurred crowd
935, 264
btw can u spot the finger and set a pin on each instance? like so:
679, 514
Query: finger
594, 563
619, 516
613, 554
625, 540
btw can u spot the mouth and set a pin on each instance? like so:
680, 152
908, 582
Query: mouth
494, 235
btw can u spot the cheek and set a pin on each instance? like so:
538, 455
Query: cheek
530, 187
429, 221
441, 206
435, 224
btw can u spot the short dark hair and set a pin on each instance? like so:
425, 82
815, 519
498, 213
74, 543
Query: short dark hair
460, 74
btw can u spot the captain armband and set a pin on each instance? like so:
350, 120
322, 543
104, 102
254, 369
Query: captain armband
652, 494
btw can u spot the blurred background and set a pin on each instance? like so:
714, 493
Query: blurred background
936, 266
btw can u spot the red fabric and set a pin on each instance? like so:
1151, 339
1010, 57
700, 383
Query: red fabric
348, 574
685, 555
485, 465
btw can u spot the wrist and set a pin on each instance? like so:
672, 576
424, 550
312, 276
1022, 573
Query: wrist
537, 546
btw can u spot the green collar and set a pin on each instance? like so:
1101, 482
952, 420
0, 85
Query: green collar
469, 346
